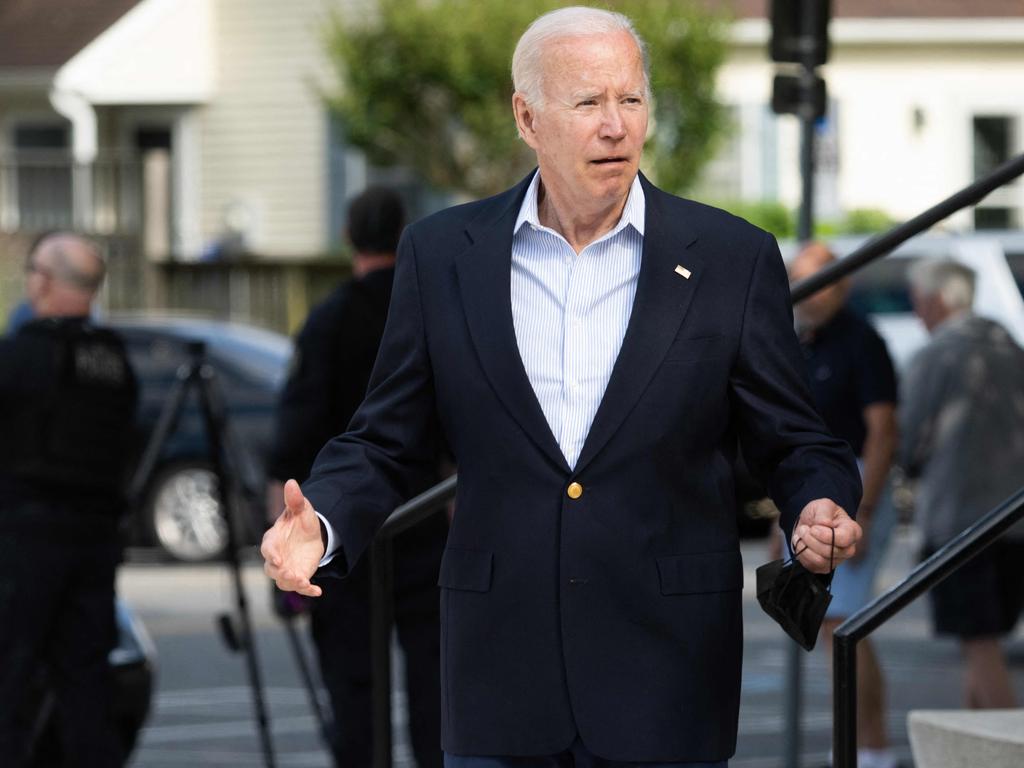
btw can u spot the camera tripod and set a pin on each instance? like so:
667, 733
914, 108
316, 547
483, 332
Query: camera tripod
236, 630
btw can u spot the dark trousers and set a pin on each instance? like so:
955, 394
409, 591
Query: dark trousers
576, 756
340, 623
57, 617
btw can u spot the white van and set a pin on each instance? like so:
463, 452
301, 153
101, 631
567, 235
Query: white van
880, 290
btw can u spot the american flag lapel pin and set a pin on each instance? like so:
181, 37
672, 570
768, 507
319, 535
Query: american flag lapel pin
681, 270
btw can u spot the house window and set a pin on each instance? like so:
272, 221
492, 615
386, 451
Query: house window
53, 137
994, 218
349, 173
995, 141
337, 183
41, 168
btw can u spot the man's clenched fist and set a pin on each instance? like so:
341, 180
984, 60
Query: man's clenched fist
823, 523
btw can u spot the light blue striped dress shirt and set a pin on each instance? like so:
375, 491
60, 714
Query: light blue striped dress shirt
571, 311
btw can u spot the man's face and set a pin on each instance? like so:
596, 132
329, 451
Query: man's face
589, 132
38, 277
929, 307
56, 272
817, 309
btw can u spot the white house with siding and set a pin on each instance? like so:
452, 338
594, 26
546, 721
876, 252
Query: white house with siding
209, 108
924, 96
198, 125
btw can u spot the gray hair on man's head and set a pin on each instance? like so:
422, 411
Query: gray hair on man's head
575, 21
950, 280
73, 259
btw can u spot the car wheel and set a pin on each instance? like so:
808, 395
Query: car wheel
184, 515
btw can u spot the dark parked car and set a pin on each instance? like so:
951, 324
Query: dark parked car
179, 511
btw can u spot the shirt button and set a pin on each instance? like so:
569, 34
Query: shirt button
574, 491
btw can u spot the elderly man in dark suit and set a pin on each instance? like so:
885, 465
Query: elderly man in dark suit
592, 350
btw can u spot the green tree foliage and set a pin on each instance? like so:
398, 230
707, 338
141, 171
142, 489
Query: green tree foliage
862, 221
769, 215
427, 84
776, 218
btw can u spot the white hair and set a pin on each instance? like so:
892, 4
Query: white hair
951, 281
575, 21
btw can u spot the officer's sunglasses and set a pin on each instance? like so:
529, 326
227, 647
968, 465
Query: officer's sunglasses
31, 267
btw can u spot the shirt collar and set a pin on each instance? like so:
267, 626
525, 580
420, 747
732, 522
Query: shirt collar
633, 213
953, 322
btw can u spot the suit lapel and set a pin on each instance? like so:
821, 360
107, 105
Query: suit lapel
484, 273
662, 299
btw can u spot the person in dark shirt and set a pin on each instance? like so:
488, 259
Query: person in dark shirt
334, 356
854, 388
67, 404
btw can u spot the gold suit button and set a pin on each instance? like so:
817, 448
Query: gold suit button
575, 490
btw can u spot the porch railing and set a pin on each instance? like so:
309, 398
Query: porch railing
47, 189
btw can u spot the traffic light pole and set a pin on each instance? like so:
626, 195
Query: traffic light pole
807, 114
805, 231
805, 222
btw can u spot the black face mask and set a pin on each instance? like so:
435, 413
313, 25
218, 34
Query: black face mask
794, 597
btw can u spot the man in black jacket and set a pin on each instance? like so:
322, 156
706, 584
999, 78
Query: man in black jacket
334, 356
67, 405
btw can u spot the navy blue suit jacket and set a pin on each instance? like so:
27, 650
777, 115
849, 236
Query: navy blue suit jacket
615, 615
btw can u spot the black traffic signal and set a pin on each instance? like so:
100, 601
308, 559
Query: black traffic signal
790, 94
800, 31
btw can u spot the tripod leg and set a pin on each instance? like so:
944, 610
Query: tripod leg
326, 724
187, 375
213, 418
307, 678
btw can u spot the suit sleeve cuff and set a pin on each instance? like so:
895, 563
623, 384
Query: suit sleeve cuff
331, 547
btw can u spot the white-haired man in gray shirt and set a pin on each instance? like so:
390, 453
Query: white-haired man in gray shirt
963, 438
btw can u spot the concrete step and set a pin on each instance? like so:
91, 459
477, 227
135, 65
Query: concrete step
954, 738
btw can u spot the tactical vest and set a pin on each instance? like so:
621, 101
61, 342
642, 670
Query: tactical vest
74, 409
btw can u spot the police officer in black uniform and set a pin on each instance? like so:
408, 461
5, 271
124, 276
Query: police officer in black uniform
334, 356
67, 405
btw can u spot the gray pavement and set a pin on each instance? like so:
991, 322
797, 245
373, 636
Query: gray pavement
203, 706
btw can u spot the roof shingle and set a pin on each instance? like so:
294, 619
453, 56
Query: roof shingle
46, 33
894, 9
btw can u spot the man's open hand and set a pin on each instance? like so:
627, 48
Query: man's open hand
292, 548
821, 522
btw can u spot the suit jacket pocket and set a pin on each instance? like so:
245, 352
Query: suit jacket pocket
701, 572
691, 349
467, 569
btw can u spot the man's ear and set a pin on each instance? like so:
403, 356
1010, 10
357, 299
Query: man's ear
525, 115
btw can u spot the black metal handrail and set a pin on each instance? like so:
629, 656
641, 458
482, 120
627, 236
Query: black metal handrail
947, 560
844, 669
382, 606
419, 508
865, 621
